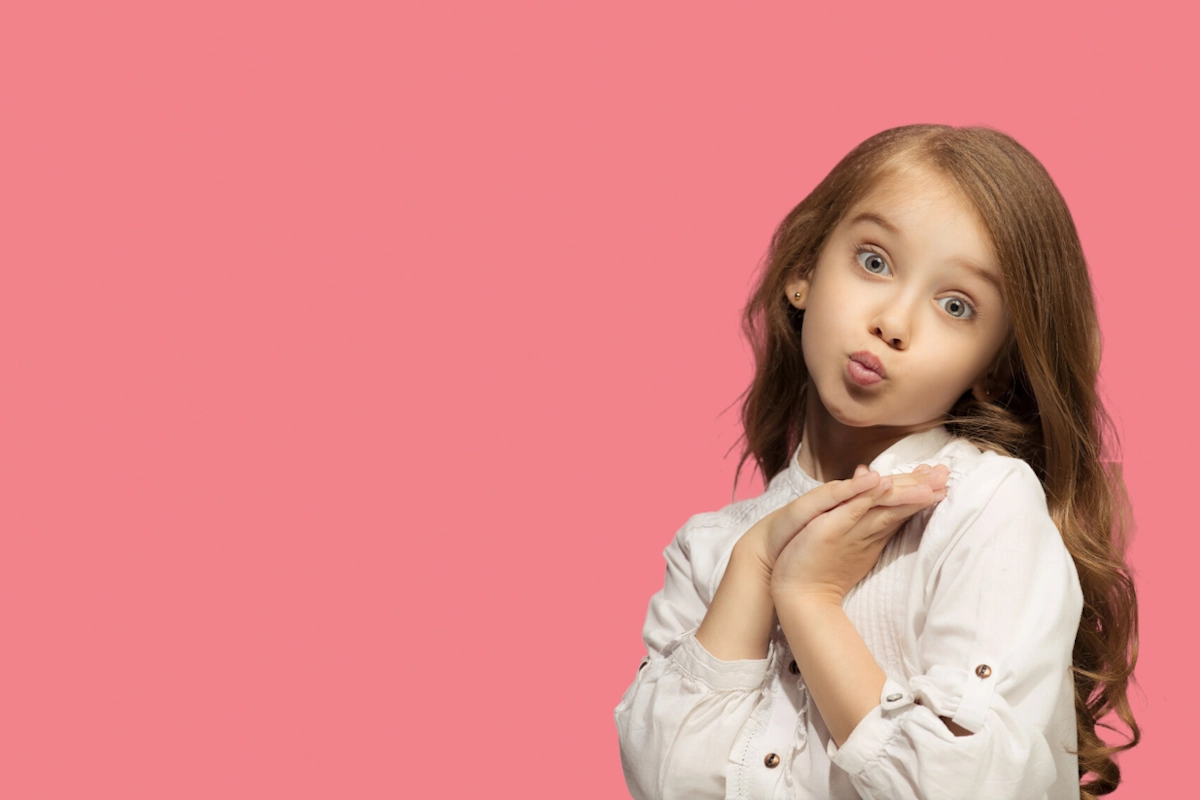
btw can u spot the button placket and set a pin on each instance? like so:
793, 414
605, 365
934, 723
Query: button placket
773, 740
802, 721
800, 740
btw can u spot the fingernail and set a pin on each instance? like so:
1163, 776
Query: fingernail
863, 480
885, 484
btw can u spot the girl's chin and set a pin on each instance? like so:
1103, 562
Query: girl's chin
855, 415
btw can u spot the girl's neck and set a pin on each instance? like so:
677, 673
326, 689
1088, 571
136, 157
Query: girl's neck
830, 450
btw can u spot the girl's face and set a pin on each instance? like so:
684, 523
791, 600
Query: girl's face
904, 276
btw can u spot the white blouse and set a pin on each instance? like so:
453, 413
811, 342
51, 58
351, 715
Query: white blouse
971, 610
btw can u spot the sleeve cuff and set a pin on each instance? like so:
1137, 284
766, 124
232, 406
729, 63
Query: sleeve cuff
744, 674
872, 732
961, 695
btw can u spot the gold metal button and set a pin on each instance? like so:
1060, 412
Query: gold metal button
771, 760
795, 669
983, 670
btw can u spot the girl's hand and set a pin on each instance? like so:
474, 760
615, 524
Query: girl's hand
830, 551
771, 534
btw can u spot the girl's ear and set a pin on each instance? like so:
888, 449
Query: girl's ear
996, 380
797, 293
989, 387
983, 391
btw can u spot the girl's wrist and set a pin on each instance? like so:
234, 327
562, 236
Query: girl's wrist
750, 557
741, 617
806, 596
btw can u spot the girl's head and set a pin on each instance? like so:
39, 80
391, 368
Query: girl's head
1012, 366
950, 255
908, 274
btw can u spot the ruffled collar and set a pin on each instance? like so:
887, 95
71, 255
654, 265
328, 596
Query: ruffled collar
902, 456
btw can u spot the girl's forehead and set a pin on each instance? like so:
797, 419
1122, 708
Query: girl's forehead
911, 187
916, 200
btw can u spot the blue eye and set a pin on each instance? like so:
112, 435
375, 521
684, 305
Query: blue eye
964, 304
874, 262
873, 258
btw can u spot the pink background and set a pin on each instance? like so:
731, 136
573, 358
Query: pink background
360, 362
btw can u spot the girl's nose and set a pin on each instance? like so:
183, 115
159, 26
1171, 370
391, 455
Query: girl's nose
892, 322
890, 333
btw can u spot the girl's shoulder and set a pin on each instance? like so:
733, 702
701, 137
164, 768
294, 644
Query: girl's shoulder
991, 500
964, 458
984, 478
737, 517
706, 539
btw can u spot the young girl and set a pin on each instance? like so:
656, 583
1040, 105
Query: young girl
930, 598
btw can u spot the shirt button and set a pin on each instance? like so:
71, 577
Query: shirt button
983, 670
893, 697
771, 760
795, 669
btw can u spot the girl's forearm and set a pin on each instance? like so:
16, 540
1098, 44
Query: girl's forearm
740, 619
842, 676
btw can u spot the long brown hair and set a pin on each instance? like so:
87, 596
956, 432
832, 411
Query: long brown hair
1050, 415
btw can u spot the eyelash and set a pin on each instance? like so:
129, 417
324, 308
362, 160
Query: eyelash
859, 249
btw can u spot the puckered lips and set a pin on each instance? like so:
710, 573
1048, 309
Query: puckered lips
865, 368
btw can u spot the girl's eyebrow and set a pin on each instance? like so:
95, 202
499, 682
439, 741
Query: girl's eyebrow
985, 274
878, 219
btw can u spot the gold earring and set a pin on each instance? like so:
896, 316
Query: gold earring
797, 295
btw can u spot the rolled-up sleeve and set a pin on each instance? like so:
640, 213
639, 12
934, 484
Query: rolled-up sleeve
678, 720
1003, 610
